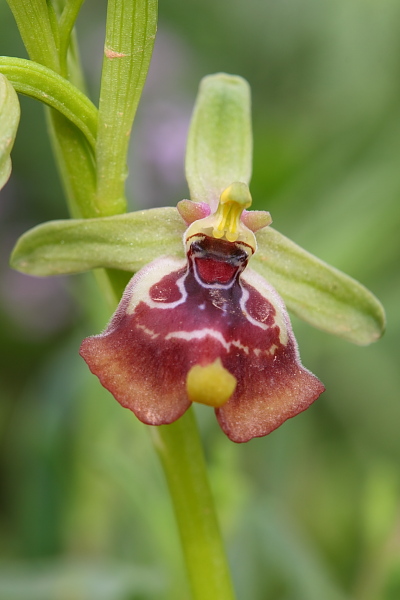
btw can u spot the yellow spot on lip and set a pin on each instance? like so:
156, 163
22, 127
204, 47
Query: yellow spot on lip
212, 385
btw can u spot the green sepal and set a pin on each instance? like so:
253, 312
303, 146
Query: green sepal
314, 291
319, 294
127, 242
39, 82
9, 119
219, 147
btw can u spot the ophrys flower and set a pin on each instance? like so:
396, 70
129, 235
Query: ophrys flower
205, 329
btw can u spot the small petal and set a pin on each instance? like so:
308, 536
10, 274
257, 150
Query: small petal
192, 211
256, 219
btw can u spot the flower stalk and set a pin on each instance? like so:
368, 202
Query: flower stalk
181, 453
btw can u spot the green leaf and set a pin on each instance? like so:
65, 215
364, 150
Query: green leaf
219, 148
35, 26
35, 20
39, 82
9, 119
126, 242
76, 164
130, 32
316, 292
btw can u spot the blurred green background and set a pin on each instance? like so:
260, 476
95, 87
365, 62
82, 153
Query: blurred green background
311, 512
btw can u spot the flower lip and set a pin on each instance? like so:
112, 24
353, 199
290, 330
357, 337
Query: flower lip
229, 346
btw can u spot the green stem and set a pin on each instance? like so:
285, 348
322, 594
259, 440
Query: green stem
66, 25
180, 449
75, 163
130, 33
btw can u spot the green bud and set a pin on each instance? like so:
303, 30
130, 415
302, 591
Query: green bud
9, 119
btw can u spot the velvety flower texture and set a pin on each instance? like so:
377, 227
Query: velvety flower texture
206, 329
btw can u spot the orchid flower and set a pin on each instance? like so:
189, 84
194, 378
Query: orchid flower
196, 323
208, 330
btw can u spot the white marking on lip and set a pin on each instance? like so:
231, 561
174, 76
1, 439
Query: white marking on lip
149, 332
139, 288
199, 334
239, 345
242, 303
272, 350
180, 284
281, 318
152, 275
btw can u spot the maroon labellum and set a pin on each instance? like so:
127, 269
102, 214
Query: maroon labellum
205, 330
